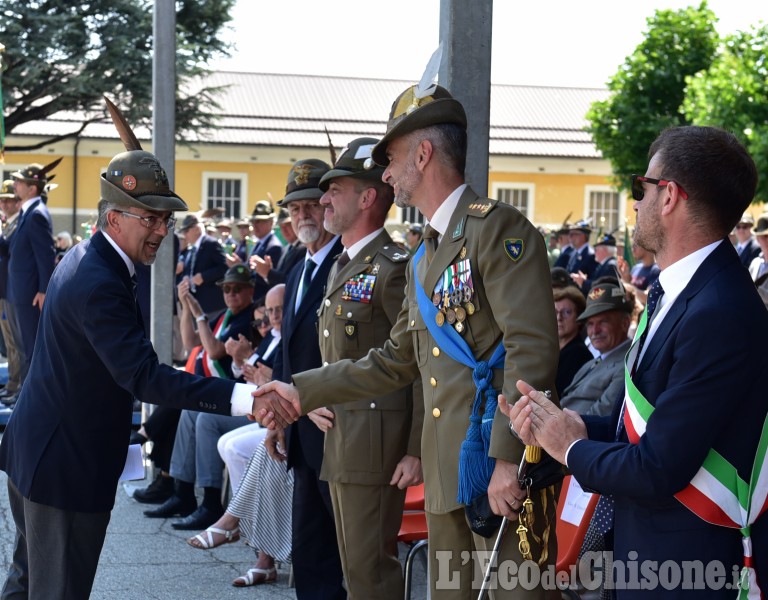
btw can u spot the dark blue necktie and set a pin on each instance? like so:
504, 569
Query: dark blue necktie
654, 294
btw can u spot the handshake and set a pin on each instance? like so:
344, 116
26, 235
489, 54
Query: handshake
275, 405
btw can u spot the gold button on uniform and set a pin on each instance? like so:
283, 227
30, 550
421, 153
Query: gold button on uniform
326, 333
413, 323
327, 302
436, 412
435, 351
433, 382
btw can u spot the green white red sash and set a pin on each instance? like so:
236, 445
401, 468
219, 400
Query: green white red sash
211, 367
716, 493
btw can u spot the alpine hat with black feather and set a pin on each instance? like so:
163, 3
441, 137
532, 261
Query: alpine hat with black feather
135, 177
36, 174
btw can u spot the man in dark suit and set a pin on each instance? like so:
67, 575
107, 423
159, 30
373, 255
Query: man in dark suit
268, 248
244, 244
317, 568
746, 245
582, 257
695, 397
605, 257
293, 253
204, 264
66, 442
564, 244
31, 258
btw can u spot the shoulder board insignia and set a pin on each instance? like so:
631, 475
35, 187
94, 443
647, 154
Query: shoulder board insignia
514, 247
481, 208
395, 252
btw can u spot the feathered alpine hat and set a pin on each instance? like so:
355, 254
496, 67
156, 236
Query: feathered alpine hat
135, 177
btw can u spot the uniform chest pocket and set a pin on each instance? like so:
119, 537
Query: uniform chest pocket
419, 332
353, 322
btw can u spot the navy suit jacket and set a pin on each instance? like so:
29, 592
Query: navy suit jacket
565, 255
66, 442
301, 351
269, 246
31, 255
584, 261
606, 268
702, 373
211, 263
750, 252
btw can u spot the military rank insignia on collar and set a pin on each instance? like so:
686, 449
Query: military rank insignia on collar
514, 247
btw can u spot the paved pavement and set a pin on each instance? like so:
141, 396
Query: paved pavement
147, 559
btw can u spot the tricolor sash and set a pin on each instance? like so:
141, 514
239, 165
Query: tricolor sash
716, 494
211, 367
475, 466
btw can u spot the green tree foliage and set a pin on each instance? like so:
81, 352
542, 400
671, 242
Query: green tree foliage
64, 55
733, 94
649, 87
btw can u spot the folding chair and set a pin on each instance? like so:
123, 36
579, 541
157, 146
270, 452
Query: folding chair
570, 535
413, 531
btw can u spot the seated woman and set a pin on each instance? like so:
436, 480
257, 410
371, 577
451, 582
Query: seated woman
569, 304
261, 507
260, 511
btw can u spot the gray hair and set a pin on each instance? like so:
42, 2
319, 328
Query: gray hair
103, 208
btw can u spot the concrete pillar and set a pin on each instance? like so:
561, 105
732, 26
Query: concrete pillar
465, 32
163, 146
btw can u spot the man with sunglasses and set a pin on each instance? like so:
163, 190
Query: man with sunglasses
746, 244
66, 443
679, 460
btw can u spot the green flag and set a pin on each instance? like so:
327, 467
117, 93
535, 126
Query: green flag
628, 256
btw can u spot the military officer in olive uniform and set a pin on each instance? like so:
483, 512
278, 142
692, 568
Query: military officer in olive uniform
372, 446
479, 257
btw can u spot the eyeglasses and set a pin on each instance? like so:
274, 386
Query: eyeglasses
743, 226
261, 323
273, 310
232, 289
565, 313
152, 223
638, 191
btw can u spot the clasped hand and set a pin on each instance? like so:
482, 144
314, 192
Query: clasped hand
276, 405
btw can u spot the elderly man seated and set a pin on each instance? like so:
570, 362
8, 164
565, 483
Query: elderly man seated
600, 382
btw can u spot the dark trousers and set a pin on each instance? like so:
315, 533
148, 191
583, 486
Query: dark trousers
56, 552
161, 429
316, 564
27, 319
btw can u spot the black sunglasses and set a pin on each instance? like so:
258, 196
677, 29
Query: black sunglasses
638, 191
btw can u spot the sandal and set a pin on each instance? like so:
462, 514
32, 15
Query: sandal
252, 577
207, 542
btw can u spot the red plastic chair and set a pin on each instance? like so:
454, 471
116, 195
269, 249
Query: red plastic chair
413, 531
569, 536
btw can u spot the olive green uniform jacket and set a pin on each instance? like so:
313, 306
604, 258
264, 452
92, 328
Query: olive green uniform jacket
361, 303
513, 304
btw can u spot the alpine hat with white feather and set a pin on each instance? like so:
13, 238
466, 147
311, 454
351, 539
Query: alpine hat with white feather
135, 177
420, 106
